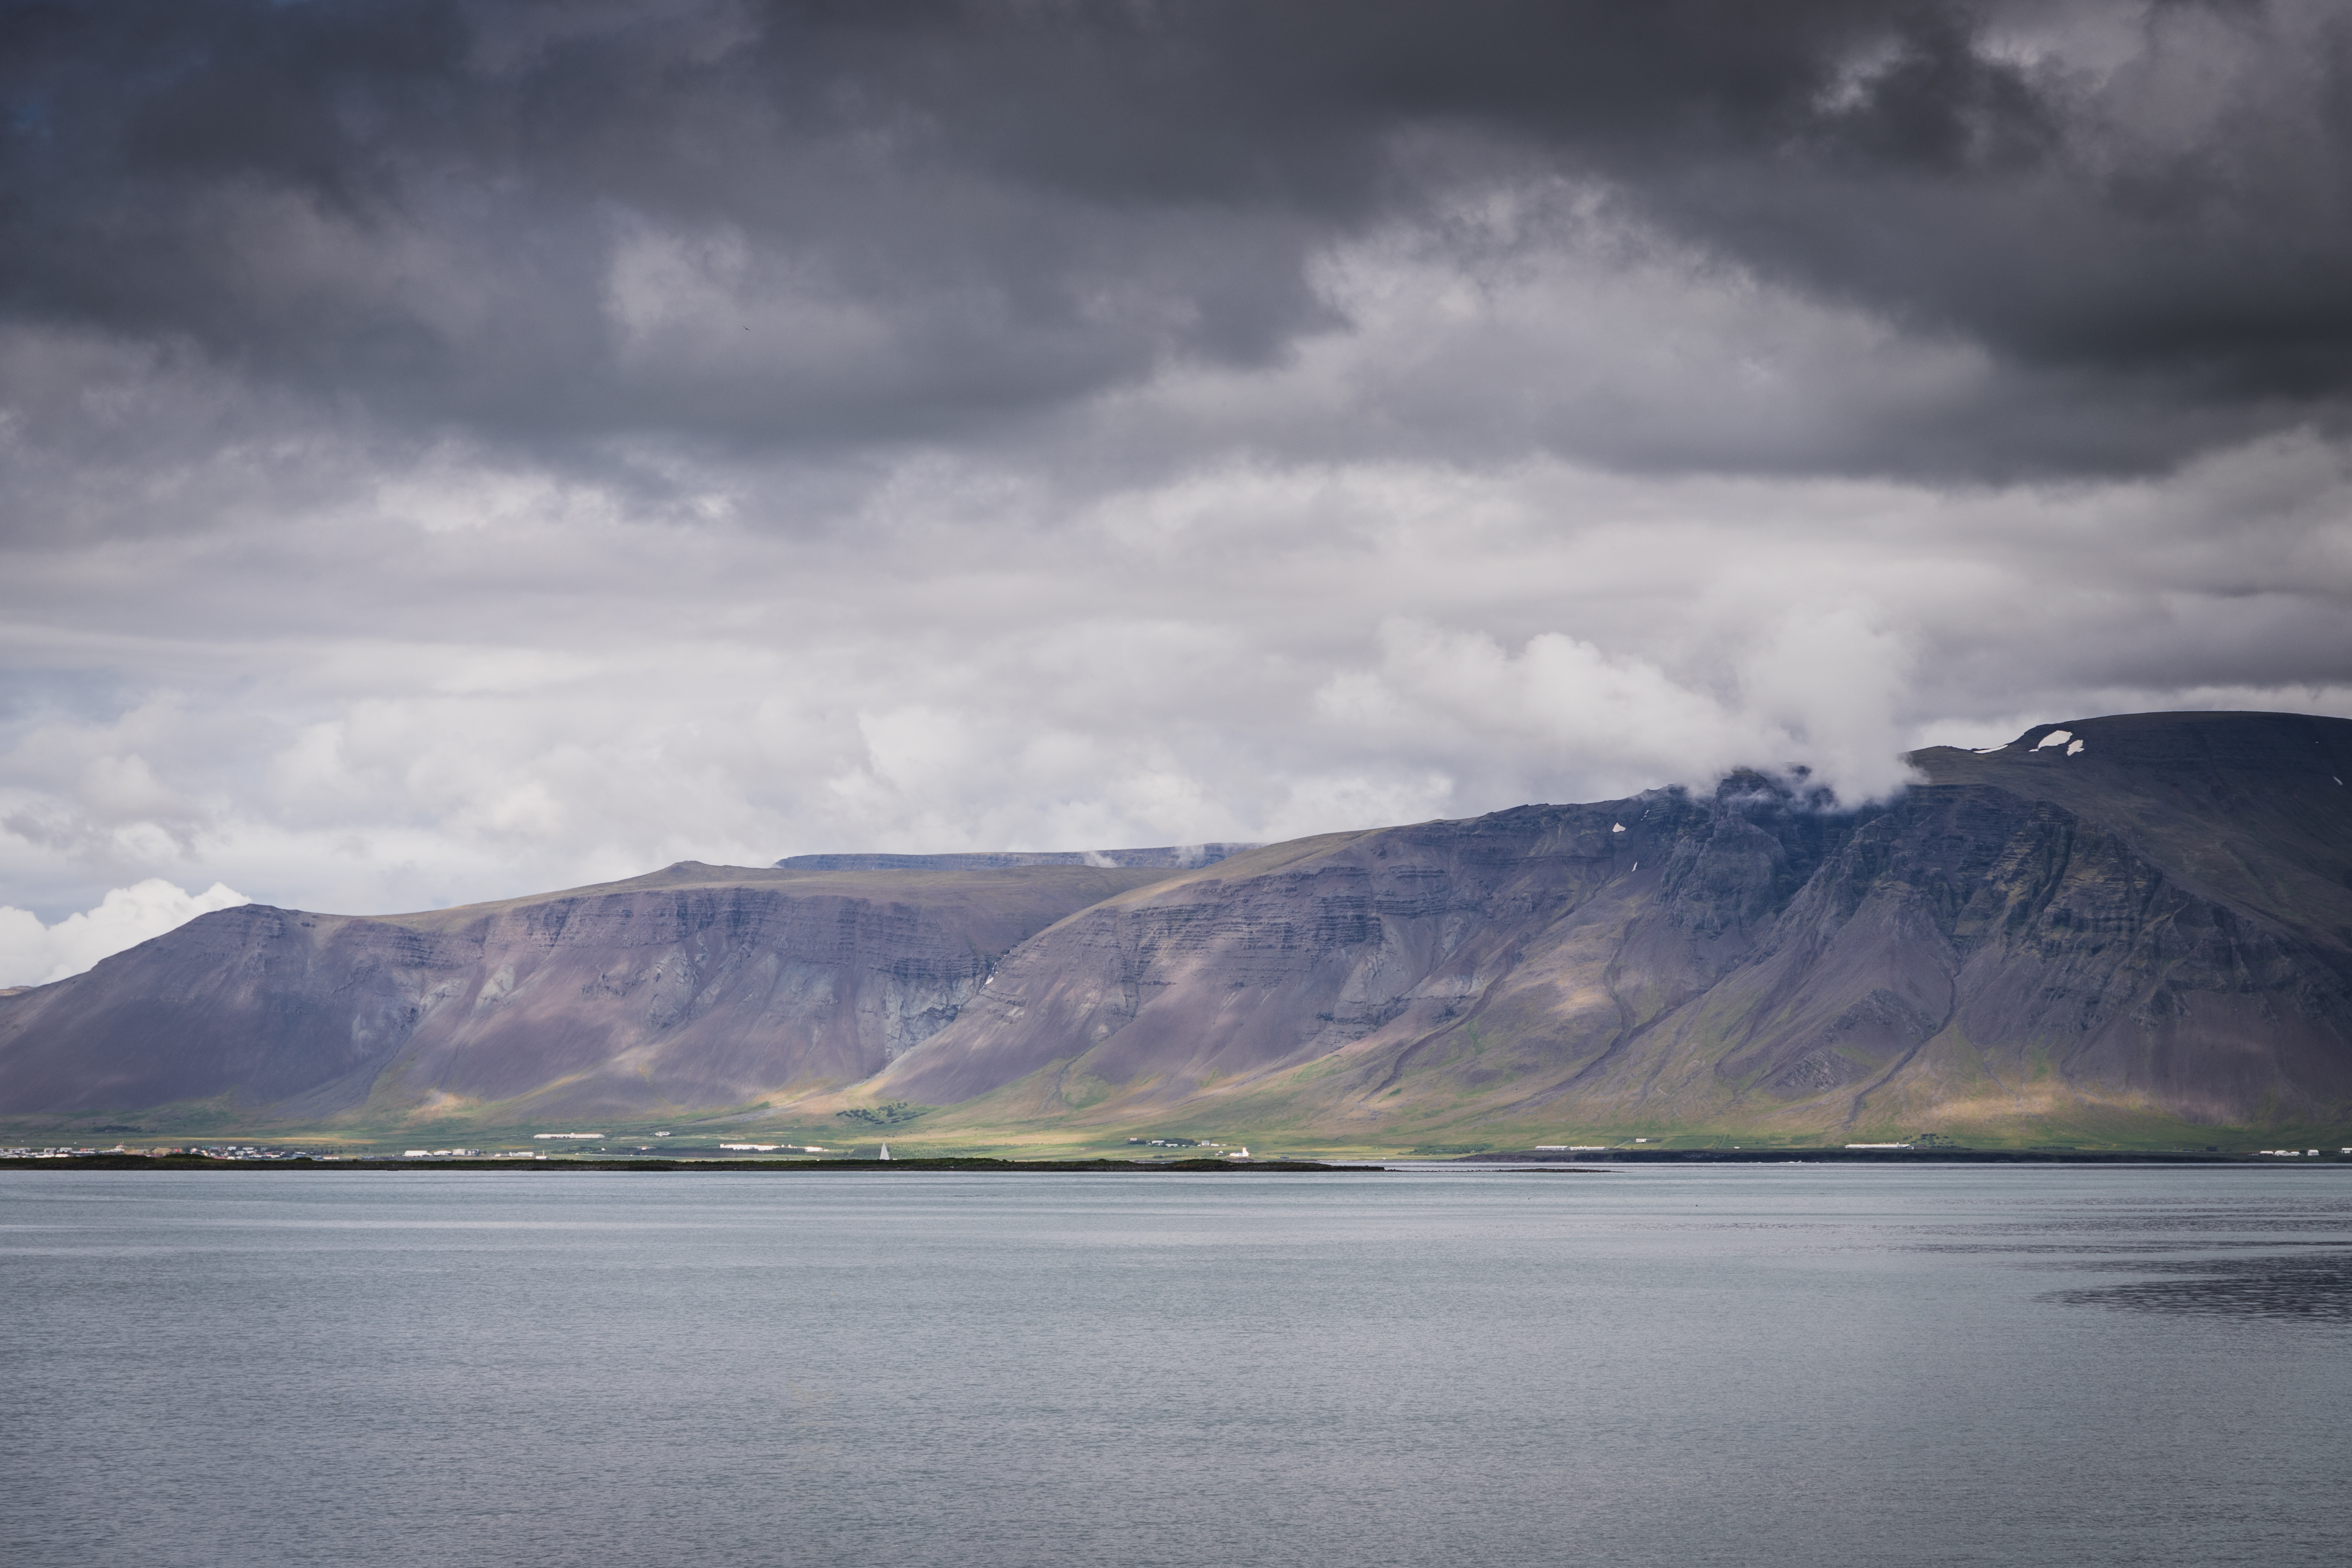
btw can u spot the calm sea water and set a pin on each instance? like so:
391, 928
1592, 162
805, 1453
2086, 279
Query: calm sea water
1757, 1365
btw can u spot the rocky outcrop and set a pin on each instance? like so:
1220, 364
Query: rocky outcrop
696, 986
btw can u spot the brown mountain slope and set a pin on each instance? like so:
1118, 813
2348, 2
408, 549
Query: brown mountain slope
2142, 926
699, 985
2154, 927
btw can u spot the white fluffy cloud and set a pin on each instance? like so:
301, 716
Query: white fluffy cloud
33, 953
580, 684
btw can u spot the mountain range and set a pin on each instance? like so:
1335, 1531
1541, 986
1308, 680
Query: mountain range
2134, 930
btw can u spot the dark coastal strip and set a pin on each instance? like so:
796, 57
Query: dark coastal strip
301, 1162
1885, 1157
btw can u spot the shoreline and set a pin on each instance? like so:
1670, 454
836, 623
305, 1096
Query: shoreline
1892, 1157
971, 1164
1583, 1162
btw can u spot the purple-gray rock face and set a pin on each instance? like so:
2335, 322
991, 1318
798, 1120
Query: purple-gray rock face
2128, 923
696, 986
2149, 917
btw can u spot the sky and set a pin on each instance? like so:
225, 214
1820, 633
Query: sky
454, 450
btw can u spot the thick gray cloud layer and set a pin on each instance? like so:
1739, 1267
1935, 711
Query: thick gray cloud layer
456, 448
809, 223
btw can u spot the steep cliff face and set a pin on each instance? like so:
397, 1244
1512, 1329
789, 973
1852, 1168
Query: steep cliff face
270, 1004
1977, 956
2150, 917
696, 987
1501, 953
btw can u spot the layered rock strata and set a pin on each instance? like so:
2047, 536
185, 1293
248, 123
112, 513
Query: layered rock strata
696, 986
2150, 916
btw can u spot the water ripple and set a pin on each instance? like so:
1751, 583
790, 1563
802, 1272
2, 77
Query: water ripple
2303, 1289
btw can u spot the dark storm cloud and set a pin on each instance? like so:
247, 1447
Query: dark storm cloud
810, 224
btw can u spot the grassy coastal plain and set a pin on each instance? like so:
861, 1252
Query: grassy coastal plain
928, 1139
914, 1133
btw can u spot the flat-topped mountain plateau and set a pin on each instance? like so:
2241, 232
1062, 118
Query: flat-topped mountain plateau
2132, 930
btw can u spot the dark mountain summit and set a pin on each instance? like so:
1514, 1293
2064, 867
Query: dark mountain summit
2123, 927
